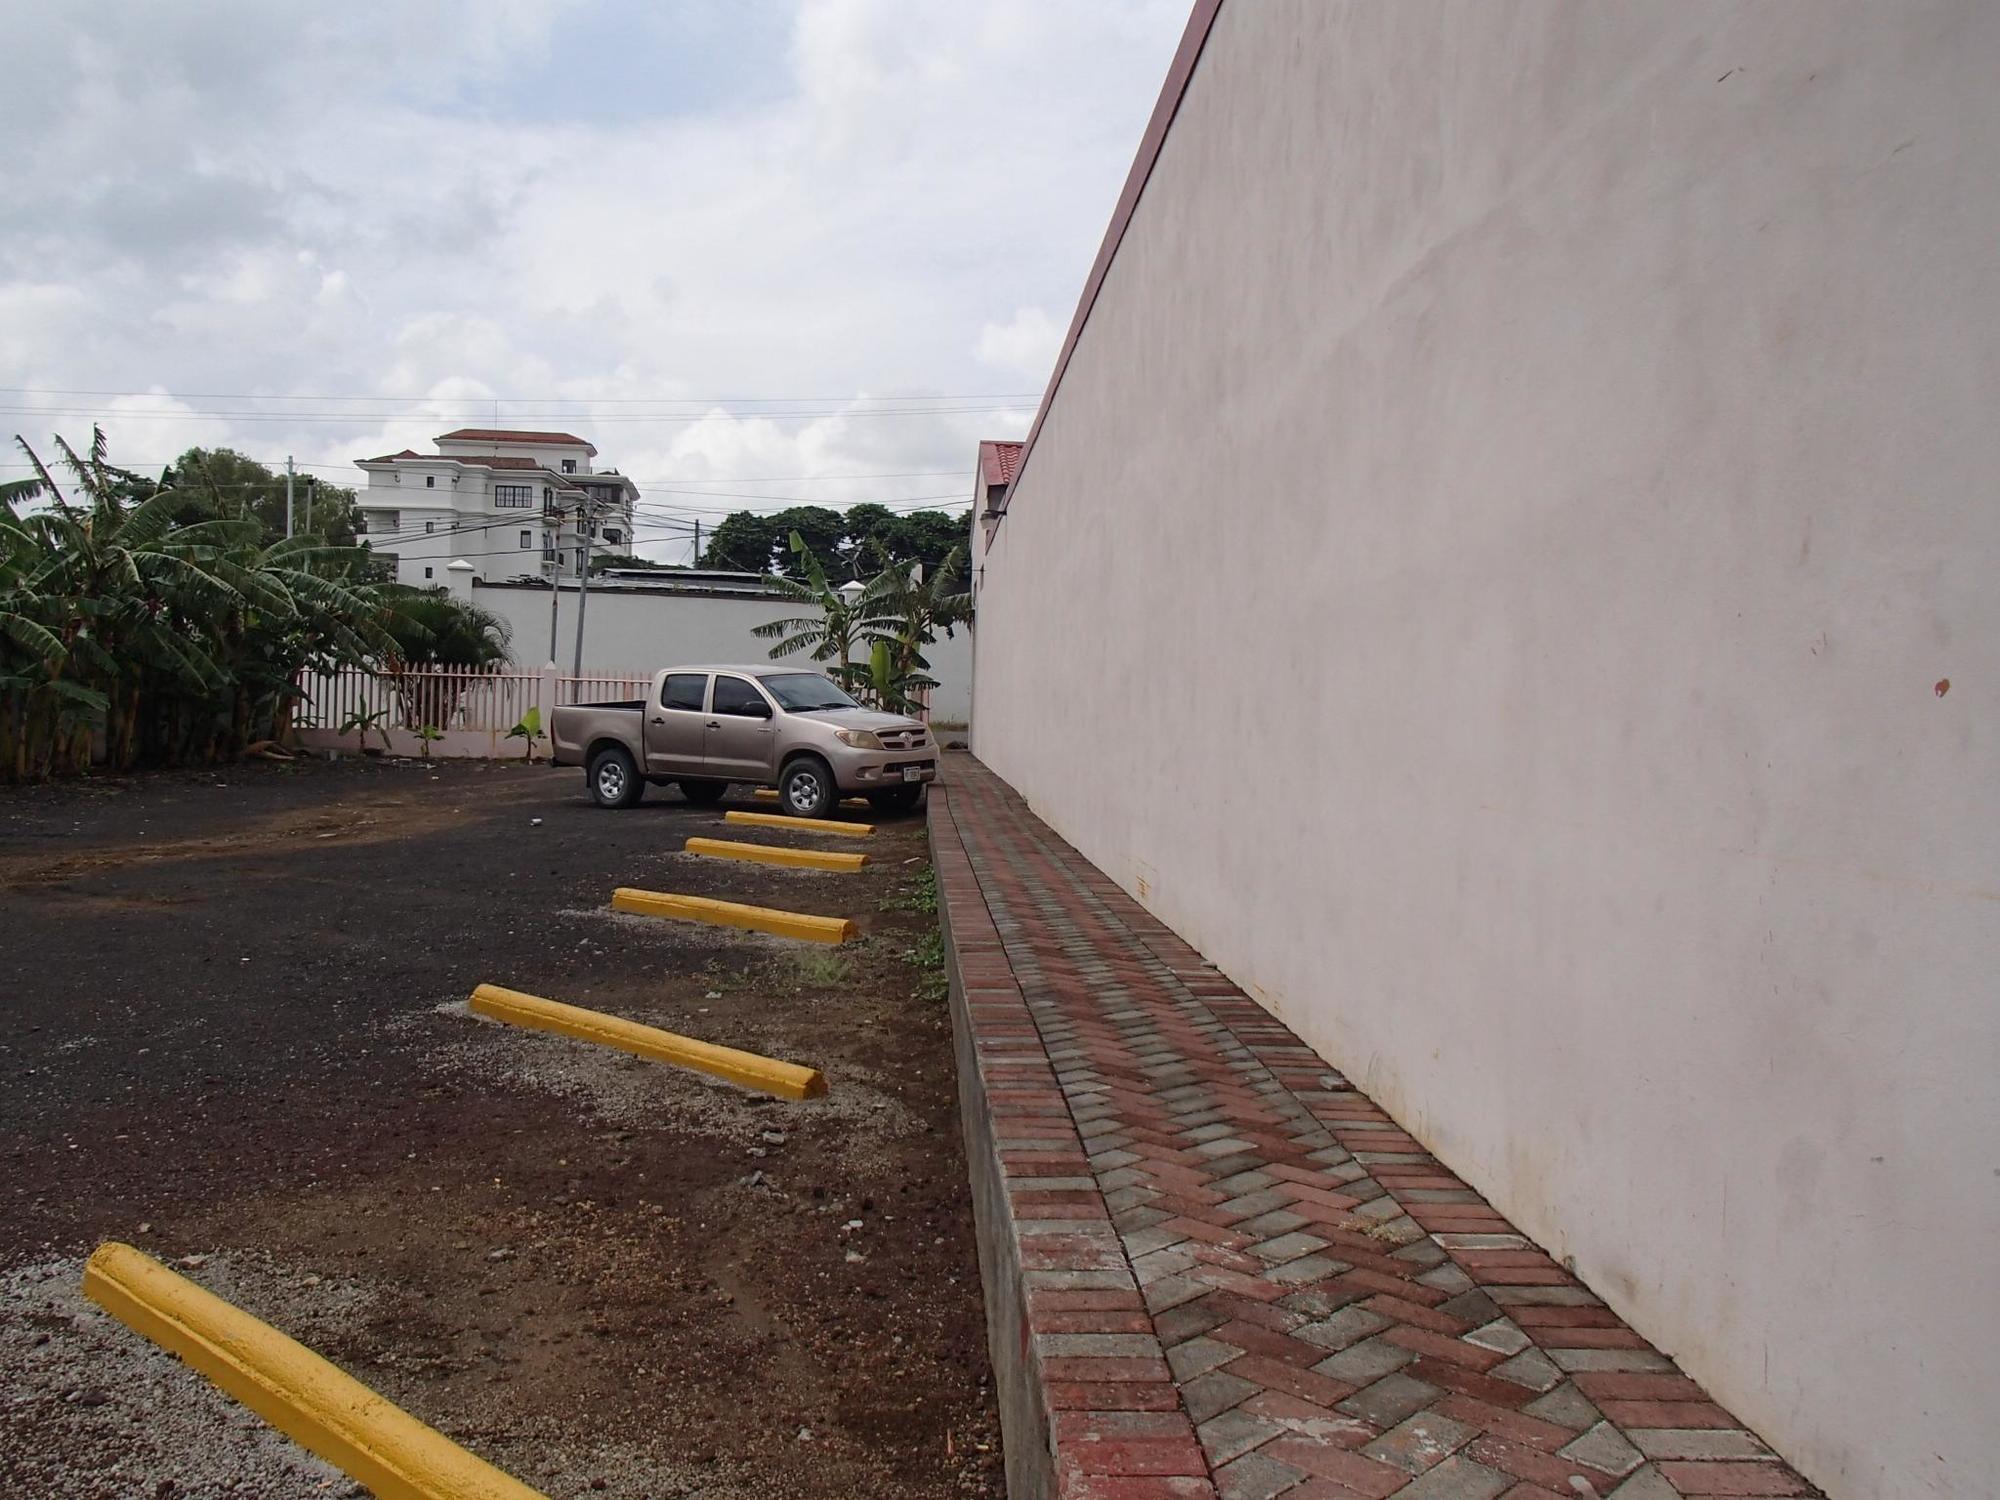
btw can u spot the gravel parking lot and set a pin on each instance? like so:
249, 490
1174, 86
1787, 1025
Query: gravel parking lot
235, 1035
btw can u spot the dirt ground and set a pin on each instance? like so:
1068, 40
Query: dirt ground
233, 1033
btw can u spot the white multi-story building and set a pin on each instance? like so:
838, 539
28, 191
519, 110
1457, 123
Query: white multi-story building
510, 504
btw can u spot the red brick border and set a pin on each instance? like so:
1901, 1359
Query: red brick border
1215, 1270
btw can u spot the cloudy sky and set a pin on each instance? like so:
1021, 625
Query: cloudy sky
342, 229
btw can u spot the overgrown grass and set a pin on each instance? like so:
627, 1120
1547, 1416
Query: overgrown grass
820, 971
926, 956
918, 894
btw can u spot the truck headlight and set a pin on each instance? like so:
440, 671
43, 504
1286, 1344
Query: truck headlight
858, 739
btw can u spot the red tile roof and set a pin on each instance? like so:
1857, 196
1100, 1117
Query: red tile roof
506, 435
481, 461
999, 462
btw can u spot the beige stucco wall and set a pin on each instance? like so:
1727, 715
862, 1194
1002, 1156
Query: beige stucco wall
1484, 578
640, 633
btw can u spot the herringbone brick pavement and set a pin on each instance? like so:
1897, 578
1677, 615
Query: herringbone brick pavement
1242, 1278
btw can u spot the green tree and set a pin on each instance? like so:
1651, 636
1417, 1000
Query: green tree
130, 609
821, 528
745, 542
238, 486
869, 525
931, 536
427, 628
846, 542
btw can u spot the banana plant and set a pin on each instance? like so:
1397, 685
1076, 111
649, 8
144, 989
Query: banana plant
529, 729
360, 722
149, 619
843, 626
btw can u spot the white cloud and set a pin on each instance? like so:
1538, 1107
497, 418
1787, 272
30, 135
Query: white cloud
414, 212
1026, 345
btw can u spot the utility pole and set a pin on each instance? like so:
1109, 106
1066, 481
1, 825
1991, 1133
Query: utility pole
552, 543
289, 471
587, 510
695, 561
312, 488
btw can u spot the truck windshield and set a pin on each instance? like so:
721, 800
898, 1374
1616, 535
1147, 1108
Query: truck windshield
803, 692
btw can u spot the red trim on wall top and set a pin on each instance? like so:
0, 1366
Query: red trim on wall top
1200, 22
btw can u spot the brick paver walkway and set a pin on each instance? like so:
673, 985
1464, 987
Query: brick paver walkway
1237, 1276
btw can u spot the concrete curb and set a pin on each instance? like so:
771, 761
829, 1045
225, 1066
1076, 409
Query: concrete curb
315, 1404
749, 1069
791, 924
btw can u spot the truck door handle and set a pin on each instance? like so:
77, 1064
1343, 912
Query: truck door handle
658, 720
714, 723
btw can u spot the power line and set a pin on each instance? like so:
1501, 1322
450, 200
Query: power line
596, 419
489, 401
672, 480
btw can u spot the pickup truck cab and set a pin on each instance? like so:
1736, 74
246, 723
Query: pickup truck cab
706, 727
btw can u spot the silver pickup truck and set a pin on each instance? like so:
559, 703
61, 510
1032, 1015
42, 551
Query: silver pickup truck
706, 727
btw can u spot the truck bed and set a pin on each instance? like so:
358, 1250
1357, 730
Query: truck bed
575, 726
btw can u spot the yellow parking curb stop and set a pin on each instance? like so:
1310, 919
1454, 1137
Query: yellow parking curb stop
318, 1406
770, 854
786, 1080
804, 825
791, 924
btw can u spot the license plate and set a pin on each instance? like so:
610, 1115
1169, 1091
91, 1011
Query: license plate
913, 773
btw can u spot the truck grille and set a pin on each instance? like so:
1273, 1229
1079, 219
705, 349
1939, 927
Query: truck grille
901, 739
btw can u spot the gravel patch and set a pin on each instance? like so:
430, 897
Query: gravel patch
107, 1406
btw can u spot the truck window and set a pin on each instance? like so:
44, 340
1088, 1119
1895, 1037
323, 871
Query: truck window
733, 696
684, 690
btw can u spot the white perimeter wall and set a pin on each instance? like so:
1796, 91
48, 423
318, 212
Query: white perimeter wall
641, 633
1483, 580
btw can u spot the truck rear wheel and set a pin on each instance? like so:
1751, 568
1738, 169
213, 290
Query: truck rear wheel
806, 788
613, 779
702, 792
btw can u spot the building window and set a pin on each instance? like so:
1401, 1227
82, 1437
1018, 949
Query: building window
430, 526
430, 481
569, 466
513, 496
527, 539
427, 572
612, 536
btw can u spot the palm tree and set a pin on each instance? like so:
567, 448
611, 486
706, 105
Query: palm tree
843, 625
430, 629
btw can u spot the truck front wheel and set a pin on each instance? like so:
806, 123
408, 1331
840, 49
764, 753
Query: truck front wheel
806, 788
613, 779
